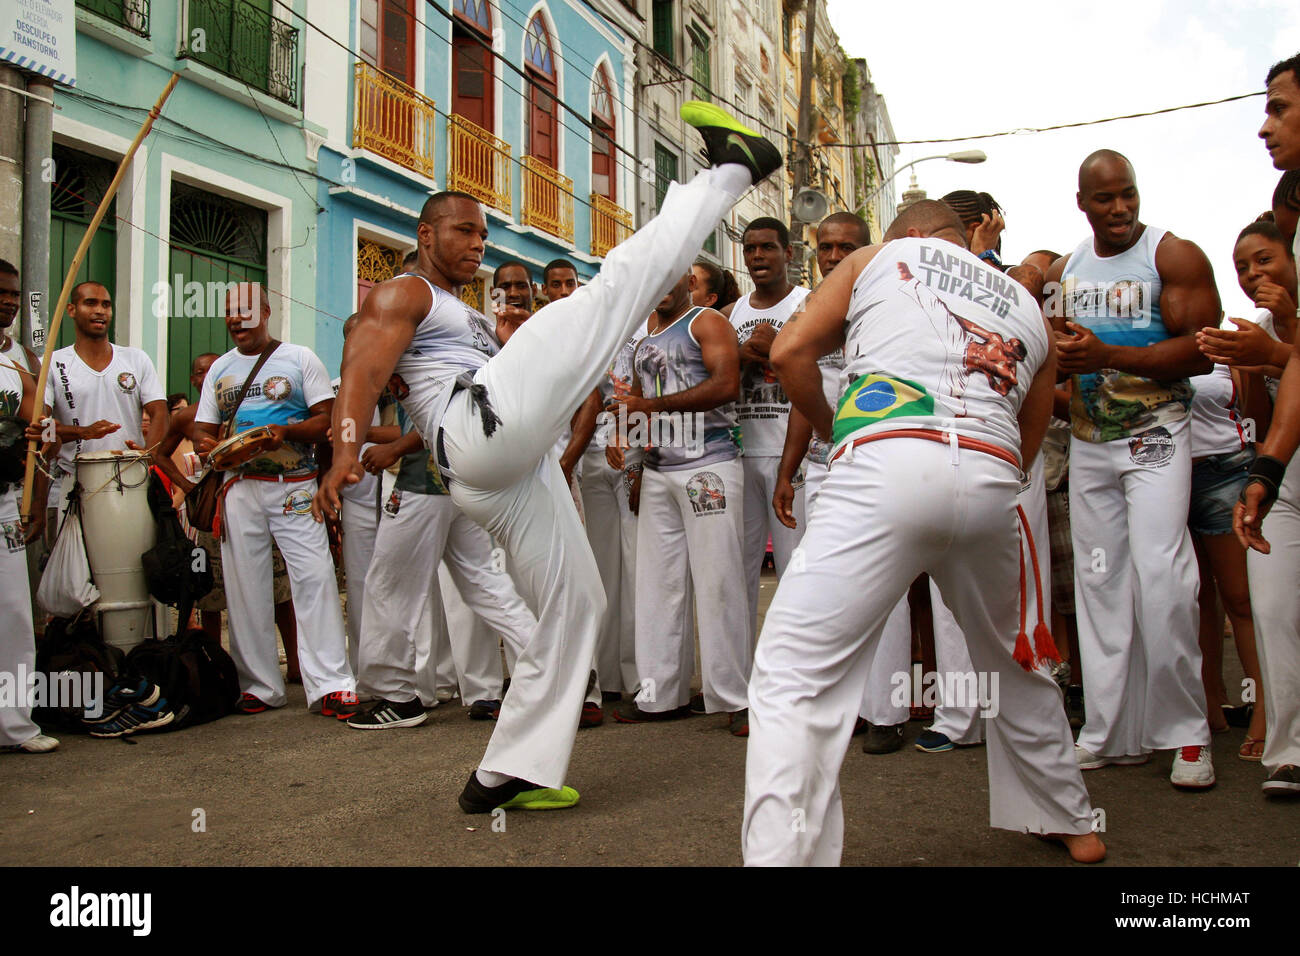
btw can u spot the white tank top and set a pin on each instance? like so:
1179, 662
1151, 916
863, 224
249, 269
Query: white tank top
1118, 298
451, 339
763, 409
938, 339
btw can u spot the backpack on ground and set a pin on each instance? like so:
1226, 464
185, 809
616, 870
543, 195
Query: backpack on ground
73, 646
195, 674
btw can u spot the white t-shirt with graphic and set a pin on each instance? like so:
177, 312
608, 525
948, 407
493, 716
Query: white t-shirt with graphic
81, 396
763, 409
292, 380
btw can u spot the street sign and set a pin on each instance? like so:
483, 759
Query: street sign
40, 36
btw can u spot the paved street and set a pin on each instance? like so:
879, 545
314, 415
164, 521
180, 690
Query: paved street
289, 788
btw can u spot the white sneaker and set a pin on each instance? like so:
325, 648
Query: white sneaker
40, 744
1087, 760
445, 694
1192, 769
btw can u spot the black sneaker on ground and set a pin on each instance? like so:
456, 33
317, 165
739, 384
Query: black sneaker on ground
727, 141
341, 705
697, 705
629, 713
477, 797
122, 696
135, 718
390, 714
484, 710
1283, 782
882, 739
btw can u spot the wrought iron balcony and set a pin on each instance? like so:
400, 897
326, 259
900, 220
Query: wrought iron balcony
392, 120
478, 163
244, 42
548, 199
610, 224
131, 14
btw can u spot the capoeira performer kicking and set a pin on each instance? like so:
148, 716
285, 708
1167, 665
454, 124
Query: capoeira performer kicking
490, 419
938, 497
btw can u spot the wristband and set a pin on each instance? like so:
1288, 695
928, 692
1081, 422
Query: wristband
1268, 472
990, 255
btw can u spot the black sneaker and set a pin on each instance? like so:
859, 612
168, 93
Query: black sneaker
697, 705
122, 696
484, 710
1283, 782
629, 713
727, 141
135, 718
513, 794
882, 739
390, 714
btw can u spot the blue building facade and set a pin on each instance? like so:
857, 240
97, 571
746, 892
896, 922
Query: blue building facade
527, 106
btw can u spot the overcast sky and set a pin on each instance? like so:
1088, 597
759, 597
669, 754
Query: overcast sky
949, 68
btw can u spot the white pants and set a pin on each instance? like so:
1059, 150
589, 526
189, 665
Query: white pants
360, 520
611, 532
760, 521
408, 547
473, 647
546, 370
960, 721
1275, 601
887, 657
897, 509
1135, 585
676, 536
17, 640
255, 513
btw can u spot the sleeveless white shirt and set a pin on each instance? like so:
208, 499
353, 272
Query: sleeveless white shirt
453, 338
938, 339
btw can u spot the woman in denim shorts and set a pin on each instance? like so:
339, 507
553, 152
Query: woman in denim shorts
1222, 452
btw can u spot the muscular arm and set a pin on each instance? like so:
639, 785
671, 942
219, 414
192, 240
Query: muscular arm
720, 353
583, 427
817, 330
797, 435
312, 429
385, 327
1036, 412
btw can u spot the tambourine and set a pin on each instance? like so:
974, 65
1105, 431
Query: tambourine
242, 448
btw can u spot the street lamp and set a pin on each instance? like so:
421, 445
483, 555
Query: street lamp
962, 156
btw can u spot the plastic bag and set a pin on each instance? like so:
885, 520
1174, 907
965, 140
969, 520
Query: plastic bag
66, 586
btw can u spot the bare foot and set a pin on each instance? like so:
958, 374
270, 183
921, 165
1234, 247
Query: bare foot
1083, 847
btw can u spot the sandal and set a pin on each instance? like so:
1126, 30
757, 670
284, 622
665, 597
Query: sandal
1252, 749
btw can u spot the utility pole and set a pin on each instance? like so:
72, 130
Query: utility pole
802, 165
12, 89
38, 136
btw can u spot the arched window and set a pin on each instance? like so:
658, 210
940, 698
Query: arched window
603, 178
471, 63
540, 63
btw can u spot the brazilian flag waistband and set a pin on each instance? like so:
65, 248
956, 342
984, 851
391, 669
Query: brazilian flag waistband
876, 398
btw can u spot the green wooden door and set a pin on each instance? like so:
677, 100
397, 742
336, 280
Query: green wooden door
196, 318
100, 264
80, 181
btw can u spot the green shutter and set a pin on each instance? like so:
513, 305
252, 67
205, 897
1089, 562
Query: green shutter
663, 28
665, 173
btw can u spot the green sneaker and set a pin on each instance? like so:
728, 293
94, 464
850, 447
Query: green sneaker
543, 799
514, 794
727, 141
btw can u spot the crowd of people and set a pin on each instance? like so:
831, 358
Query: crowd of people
589, 476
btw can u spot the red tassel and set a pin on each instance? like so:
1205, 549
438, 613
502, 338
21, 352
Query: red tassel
1044, 646
1022, 654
